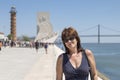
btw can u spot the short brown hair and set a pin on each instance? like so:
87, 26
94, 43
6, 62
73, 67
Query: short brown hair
71, 32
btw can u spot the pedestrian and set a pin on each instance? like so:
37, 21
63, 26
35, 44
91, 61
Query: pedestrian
74, 62
0, 45
12, 43
46, 46
36, 45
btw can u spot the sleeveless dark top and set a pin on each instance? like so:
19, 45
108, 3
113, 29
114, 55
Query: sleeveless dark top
71, 73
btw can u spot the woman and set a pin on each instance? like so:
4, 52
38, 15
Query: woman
73, 63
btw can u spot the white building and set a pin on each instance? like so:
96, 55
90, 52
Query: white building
2, 37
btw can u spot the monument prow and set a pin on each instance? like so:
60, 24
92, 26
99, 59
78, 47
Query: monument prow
44, 27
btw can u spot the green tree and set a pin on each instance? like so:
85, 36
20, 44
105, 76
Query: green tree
26, 38
9, 36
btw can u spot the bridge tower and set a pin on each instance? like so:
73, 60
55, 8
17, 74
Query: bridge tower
98, 33
13, 23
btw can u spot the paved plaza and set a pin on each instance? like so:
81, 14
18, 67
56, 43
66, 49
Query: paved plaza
27, 64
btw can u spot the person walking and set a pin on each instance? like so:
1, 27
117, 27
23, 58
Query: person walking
0, 45
36, 46
46, 46
74, 62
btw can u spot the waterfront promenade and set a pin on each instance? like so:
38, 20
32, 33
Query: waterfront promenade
27, 64
15, 63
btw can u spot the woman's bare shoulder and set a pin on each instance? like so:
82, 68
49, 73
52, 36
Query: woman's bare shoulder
60, 57
88, 52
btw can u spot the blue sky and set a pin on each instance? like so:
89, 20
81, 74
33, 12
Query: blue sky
81, 14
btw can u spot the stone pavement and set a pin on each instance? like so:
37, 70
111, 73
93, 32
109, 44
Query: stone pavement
44, 68
27, 64
16, 63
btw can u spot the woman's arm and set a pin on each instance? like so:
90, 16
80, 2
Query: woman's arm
59, 71
92, 63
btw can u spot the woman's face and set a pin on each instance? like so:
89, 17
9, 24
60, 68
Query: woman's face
71, 42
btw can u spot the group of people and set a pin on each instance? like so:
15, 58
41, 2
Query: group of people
37, 45
76, 62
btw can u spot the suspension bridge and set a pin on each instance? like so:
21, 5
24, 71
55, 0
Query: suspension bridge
97, 33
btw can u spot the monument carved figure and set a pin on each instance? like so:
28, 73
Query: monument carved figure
44, 27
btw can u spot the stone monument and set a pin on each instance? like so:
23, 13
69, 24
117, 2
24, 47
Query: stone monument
44, 27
